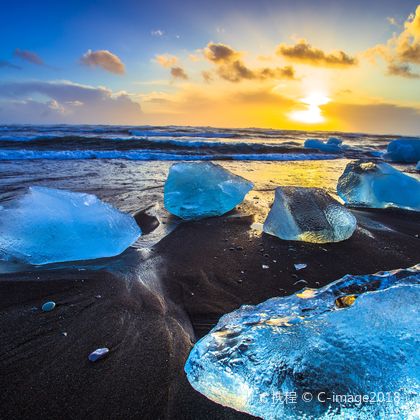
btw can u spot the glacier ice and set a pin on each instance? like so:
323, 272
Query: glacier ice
48, 225
403, 150
357, 336
332, 145
378, 185
199, 190
310, 215
418, 166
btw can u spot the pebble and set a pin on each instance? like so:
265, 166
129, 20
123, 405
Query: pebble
98, 354
48, 306
239, 248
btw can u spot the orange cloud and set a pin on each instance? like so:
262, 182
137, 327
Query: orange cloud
402, 50
403, 70
179, 73
303, 52
104, 59
230, 66
166, 60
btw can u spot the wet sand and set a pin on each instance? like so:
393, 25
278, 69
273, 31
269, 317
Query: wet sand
150, 307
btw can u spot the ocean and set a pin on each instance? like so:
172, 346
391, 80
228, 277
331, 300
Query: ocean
127, 165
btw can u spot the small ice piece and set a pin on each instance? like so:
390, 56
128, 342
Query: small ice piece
309, 215
332, 145
418, 166
48, 225
300, 266
403, 150
353, 337
48, 306
198, 190
98, 354
378, 185
265, 267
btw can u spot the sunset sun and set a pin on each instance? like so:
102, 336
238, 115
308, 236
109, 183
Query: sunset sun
312, 114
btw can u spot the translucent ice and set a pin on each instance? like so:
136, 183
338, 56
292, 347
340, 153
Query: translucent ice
310, 215
403, 150
48, 225
378, 185
332, 145
291, 357
198, 190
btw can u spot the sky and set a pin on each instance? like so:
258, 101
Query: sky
285, 64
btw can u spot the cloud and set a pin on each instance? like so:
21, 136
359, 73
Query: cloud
179, 73
403, 70
220, 53
9, 65
402, 50
29, 56
207, 76
304, 52
230, 66
392, 21
65, 102
105, 59
157, 32
381, 118
166, 60
408, 42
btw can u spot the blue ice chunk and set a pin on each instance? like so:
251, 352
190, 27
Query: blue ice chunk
288, 357
199, 190
404, 150
309, 215
378, 185
418, 166
332, 145
98, 354
48, 225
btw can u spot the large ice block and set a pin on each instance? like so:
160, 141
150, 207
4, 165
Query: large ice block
48, 225
378, 185
332, 145
203, 189
310, 215
404, 150
290, 357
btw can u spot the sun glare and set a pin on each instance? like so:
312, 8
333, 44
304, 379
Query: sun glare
313, 113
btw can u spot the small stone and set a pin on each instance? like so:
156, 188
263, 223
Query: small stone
98, 354
239, 248
48, 306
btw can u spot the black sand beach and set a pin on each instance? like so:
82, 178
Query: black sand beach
151, 315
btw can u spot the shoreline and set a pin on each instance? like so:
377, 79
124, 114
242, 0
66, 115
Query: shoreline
149, 308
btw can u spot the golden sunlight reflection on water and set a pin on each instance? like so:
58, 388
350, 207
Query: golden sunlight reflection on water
266, 176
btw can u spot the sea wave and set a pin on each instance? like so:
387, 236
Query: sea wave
142, 155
